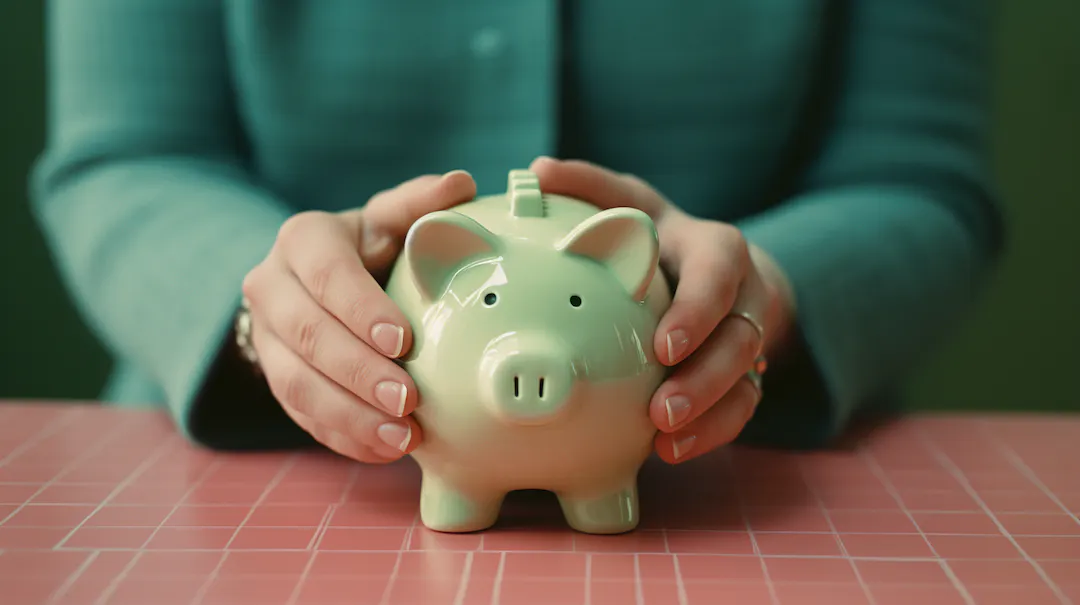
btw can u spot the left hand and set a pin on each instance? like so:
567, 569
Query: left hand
709, 397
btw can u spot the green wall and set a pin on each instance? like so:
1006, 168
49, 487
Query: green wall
1018, 350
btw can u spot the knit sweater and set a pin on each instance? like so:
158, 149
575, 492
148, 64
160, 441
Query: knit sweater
846, 138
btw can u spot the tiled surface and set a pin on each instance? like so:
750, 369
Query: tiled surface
105, 506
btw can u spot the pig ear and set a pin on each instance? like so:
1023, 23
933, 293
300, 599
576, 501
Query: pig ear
622, 239
442, 243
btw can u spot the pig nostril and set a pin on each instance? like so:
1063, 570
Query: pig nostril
541, 387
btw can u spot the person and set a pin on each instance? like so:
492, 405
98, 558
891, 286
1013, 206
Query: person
225, 185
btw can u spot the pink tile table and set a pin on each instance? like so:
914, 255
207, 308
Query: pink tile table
100, 505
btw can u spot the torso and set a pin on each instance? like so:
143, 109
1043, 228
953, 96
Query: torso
343, 98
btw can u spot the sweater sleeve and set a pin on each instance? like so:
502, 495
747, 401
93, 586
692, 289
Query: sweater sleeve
144, 199
895, 226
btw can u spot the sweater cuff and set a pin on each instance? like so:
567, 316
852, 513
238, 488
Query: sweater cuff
879, 276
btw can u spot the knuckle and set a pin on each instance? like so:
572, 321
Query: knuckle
358, 375
291, 389
322, 276
296, 225
250, 285
358, 309
308, 335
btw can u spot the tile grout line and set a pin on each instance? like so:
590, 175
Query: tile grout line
206, 472
496, 585
754, 546
332, 509
958, 474
639, 588
890, 487
270, 485
463, 581
160, 451
51, 428
588, 578
1029, 473
406, 542
105, 440
73, 578
836, 534
139, 552
680, 583
157, 453
566, 552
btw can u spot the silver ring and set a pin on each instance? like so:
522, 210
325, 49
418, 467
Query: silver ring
756, 373
753, 323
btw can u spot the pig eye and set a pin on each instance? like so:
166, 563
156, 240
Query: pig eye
490, 299
575, 301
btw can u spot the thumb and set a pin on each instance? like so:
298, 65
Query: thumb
392, 212
378, 249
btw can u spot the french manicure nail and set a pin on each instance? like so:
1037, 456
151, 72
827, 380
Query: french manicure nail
388, 338
392, 396
677, 343
682, 447
678, 408
395, 434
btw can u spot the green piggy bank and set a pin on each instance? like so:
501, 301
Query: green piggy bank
533, 319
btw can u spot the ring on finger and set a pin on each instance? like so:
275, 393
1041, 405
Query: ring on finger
757, 370
754, 323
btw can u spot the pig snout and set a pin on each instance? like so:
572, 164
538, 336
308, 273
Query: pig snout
527, 378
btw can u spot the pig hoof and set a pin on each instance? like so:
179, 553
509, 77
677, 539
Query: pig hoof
613, 513
444, 509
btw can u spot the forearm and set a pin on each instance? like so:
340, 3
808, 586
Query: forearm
144, 198
880, 276
893, 227
153, 250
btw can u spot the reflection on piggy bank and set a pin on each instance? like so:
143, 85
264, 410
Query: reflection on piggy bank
534, 317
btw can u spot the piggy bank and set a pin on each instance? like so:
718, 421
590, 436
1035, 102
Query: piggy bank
533, 318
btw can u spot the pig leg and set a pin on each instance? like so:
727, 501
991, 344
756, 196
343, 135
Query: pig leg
447, 508
611, 512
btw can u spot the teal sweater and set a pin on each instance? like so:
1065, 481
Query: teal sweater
847, 138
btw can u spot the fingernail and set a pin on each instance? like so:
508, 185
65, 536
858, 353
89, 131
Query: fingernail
677, 343
392, 397
453, 172
678, 408
395, 434
389, 338
682, 447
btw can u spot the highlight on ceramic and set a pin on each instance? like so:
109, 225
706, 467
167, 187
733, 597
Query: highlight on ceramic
533, 318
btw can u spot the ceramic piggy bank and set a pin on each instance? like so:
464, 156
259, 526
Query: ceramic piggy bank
533, 317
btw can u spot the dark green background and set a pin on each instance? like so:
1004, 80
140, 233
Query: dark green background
1018, 350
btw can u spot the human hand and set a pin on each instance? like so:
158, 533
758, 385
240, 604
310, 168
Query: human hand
710, 396
326, 333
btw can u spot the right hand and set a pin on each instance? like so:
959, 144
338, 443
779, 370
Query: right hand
325, 331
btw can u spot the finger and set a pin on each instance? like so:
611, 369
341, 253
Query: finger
305, 393
392, 212
706, 376
318, 339
719, 426
341, 443
712, 263
597, 185
323, 256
